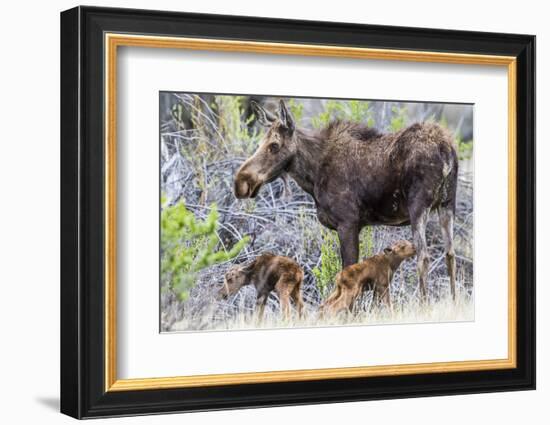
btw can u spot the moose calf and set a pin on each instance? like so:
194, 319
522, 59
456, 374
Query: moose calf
267, 273
374, 273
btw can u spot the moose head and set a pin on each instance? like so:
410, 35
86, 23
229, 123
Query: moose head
274, 154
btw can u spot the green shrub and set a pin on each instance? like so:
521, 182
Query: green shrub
399, 118
296, 109
465, 148
229, 113
233, 123
357, 111
366, 242
330, 262
178, 113
189, 245
322, 119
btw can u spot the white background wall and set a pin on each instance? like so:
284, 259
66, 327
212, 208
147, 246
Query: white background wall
29, 211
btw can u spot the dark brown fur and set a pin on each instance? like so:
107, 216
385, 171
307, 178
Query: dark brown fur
374, 273
360, 177
267, 273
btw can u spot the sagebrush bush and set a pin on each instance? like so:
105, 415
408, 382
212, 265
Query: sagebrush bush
330, 263
188, 245
399, 118
351, 110
366, 242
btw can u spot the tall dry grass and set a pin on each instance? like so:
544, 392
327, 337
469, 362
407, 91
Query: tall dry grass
444, 310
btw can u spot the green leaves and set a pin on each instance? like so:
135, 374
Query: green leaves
234, 124
296, 109
366, 242
399, 118
178, 113
189, 245
465, 148
357, 111
330, 265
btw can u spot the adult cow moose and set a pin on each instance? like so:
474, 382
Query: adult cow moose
358, 176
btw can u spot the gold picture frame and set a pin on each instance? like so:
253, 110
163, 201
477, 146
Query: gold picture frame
114, 41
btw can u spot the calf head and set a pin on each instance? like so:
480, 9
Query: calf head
235, 278
274, 154
400, 250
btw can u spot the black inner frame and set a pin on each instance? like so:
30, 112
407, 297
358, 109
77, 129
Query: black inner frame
82, 212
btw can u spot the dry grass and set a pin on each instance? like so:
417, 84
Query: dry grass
444, 310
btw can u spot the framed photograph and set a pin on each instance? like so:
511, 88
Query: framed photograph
261, 212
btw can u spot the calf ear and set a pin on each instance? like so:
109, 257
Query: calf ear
264, 117
387, 250
286, 117
247, 268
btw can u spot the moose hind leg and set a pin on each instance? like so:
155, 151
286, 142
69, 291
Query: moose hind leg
419, 219
446, 220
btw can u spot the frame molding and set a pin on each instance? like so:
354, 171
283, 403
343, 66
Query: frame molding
113, 41
90, 38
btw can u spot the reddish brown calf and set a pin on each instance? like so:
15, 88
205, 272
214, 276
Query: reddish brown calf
267, 273
374, 273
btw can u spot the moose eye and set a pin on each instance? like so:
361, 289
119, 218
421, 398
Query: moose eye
273, 148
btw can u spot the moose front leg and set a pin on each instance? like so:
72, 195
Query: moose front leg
349, 243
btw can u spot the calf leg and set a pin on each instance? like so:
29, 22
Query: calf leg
297, 297
382, 293
348, 299
419, 219
260, 306
283, 291
446, 219
333, 295
344, 300
327, 304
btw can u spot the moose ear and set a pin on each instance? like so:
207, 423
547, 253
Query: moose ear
286, 117
265, 118
387, 250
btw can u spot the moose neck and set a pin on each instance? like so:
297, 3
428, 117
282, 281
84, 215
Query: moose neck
305, 164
